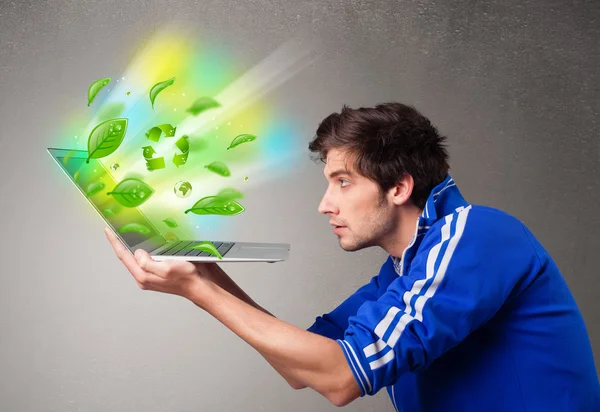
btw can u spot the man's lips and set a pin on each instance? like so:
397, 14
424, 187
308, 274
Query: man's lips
337, 228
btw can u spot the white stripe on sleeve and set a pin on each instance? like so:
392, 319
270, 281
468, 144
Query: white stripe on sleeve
382, 361
432, 258
352, 364
441, 272
364, 375
374, 348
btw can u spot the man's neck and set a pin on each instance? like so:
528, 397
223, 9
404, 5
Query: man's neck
405, 230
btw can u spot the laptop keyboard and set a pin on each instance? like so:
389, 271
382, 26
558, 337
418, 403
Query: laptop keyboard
181, 249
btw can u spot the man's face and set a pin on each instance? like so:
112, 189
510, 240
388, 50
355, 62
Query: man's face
360, 214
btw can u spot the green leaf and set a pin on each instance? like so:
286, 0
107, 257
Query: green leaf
108, 212
135, 227
214, 205
207, 247
202, 104
106, 138
131, 192
94, 188
230, 193
68, 156
219, 168
171, 237
170, 222
95, 88
159, 87
243, 138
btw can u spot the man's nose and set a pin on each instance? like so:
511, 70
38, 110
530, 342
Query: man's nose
326, 205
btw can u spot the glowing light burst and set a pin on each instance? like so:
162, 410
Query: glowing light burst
200, 69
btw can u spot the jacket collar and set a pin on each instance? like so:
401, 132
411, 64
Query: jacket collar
443, 200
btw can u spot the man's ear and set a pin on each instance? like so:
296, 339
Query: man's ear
402, 191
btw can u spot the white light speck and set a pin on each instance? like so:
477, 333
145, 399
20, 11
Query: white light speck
217, 128
197, 227
183, 94
228, 123
123, 78
174, 110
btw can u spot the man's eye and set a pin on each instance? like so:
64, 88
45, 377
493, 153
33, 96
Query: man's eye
344, 182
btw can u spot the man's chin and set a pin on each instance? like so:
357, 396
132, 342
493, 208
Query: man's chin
352, 245
349, 247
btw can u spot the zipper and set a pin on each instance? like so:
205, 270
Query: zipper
410, 244
403, 262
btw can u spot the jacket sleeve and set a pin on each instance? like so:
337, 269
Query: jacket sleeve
333, 324
466, 267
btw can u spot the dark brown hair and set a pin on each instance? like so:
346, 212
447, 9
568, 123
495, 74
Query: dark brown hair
388, 141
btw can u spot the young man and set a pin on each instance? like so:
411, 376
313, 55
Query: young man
468, 313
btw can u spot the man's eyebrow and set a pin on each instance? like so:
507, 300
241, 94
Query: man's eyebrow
339, 172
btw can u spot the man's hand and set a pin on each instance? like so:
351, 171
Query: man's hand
176, 277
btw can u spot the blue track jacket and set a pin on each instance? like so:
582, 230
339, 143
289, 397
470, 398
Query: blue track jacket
475, 316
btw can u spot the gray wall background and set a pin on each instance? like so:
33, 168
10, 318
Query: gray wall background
514, 84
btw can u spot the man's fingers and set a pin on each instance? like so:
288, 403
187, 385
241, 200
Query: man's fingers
114, 241
143, 278
148, 264
166, 268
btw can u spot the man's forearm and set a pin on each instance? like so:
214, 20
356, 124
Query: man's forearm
222, 279
307, 358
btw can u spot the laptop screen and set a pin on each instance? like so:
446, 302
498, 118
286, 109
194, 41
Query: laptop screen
95, 182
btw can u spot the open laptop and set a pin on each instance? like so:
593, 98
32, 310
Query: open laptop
94, 175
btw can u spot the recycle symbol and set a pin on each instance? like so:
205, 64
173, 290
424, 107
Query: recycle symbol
154, 134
